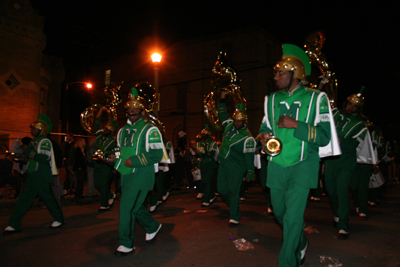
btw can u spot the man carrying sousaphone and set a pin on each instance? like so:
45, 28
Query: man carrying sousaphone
103, 171
208, 165
236, 157
301, 118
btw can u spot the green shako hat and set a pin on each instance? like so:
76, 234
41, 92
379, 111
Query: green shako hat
43, 124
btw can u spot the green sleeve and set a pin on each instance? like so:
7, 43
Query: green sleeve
222, 113
153, 154
250, 147
44, 154
320, 134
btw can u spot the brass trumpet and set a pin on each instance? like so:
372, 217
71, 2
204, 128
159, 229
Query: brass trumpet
273, 146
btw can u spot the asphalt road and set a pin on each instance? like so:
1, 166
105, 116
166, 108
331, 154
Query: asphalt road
195, 236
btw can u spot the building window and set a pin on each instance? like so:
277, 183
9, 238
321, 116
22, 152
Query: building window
12, 82
107, 77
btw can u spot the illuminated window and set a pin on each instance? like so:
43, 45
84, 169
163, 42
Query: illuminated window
107, 77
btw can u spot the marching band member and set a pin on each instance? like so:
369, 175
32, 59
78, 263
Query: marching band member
236, 157
356, 146
141, 148
103, 170
41, 166
208, 165
301, 118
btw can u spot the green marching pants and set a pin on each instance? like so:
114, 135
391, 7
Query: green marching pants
359, 183
132, 208
289, 201
229, 182
36, 185
337, 181
102, 175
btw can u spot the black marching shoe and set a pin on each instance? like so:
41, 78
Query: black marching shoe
343, 235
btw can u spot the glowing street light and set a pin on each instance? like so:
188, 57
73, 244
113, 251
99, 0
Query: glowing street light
88, 85
156, 58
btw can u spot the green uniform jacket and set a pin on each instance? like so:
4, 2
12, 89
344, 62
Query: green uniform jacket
40, 153
351, 131
238, 146
310, 108
105, 143
208, 148
143, 144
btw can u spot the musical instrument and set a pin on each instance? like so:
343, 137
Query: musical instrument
313, 46
88, 116
152, 104
18, 157
224, 78
99, 154
273, 146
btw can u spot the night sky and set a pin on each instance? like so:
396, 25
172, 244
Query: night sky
360, 38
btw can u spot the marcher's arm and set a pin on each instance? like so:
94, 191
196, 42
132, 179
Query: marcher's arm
249, 150
319, 134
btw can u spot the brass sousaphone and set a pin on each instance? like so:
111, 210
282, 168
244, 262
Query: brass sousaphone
224, 78
148, 95
88, 116
313, 46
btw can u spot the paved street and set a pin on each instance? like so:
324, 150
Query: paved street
194, 236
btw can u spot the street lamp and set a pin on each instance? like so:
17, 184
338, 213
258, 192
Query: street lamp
88, 85
156, 58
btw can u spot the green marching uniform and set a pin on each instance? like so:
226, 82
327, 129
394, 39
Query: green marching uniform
41, 167
351, 131
103, 171
208, 167
294, 171
142, 143
236, 157
359, 182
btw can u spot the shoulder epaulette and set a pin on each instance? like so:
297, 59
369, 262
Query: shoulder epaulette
312, 89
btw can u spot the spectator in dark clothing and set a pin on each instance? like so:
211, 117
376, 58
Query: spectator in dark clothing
59, 158
77, 166
70, 180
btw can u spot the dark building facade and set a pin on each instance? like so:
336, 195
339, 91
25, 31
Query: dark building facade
30, 82
184, 77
